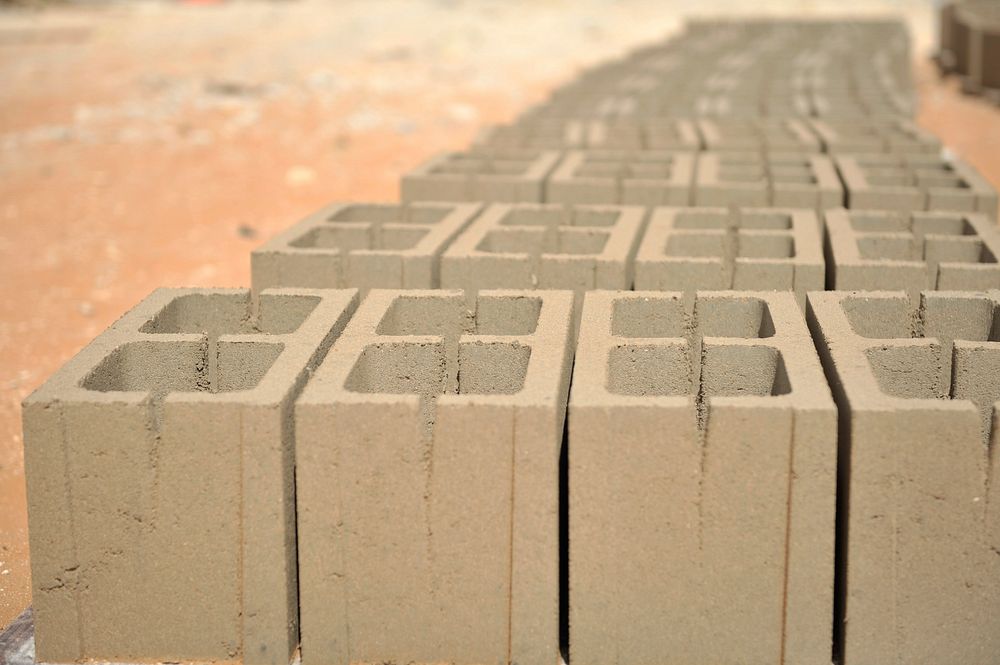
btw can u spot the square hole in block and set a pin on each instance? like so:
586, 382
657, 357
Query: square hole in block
650, 370
962, 249
941, 224
701, 219
369, 237
974, 319
648, 317
689, 244
752, 219
512, 241
507, 315
888, 247
876, 223
425, 315
743, 370
491, 368
734, 317
577, 241
217, 314
909, 372
400, 368
879, 318
165, 367
764, 245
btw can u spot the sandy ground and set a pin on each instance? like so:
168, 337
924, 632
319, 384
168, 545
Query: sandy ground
149, 144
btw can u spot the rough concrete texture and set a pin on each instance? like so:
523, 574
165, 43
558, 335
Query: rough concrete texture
914, 182
619, 177
702, 473
428, 445
481, 175
887, 250
969, 45
545, 246
919, 525
859, 136
772, 135
160, 480
362, 245
787, 180
756, 249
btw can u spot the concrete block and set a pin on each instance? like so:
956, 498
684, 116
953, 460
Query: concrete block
919, 525
861, 136
756, 249
545, 246
159, 464
674, 134
702, 482
914, 182
428, 446
886, 251
774, 179
758, 135
363, 245
618, 177
477, 175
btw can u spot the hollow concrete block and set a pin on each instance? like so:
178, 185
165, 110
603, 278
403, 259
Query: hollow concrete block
159, 465
767, 179
919, 525
914, 182
362, 245
860, 136
756, 134
428, 450
702, 482
545, 246
620, 177
756, 249
481, 175
885, 251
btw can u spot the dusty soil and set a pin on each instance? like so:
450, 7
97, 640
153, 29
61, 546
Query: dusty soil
148, 144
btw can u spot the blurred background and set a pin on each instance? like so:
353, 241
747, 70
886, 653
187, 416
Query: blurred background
151, 143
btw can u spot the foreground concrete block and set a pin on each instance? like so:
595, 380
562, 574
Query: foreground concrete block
481, 175
545, 246
618, 177
702, 474
914, 182
160, 465
757, 249
363, 245
883, 250
428, 450
773, 179
920, 505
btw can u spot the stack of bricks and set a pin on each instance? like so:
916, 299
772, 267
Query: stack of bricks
969, 45
695, 363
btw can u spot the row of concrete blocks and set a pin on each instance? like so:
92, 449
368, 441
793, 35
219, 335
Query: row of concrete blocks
847, 68
969, 45
680, 178
548, 246
211, 479
778, 135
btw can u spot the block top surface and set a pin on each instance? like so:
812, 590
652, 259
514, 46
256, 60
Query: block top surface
403, 346
202, 345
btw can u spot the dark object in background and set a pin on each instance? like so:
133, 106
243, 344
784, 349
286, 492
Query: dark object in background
969, 46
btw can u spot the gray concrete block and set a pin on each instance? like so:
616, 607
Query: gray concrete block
619, 177
363, 245
886, 250
916, 385
428, 446
786, 180
702, 482
914, 182
160, 466
756, 249
758, 135
477, 175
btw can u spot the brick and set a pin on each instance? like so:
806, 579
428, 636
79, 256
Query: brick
775, 135
691, 249
775, 179
914, 182
619, 177
545, 246
920, 531
702, 473
364, 245
428, 451
160, 466
885, 250
508, 175
898, 135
